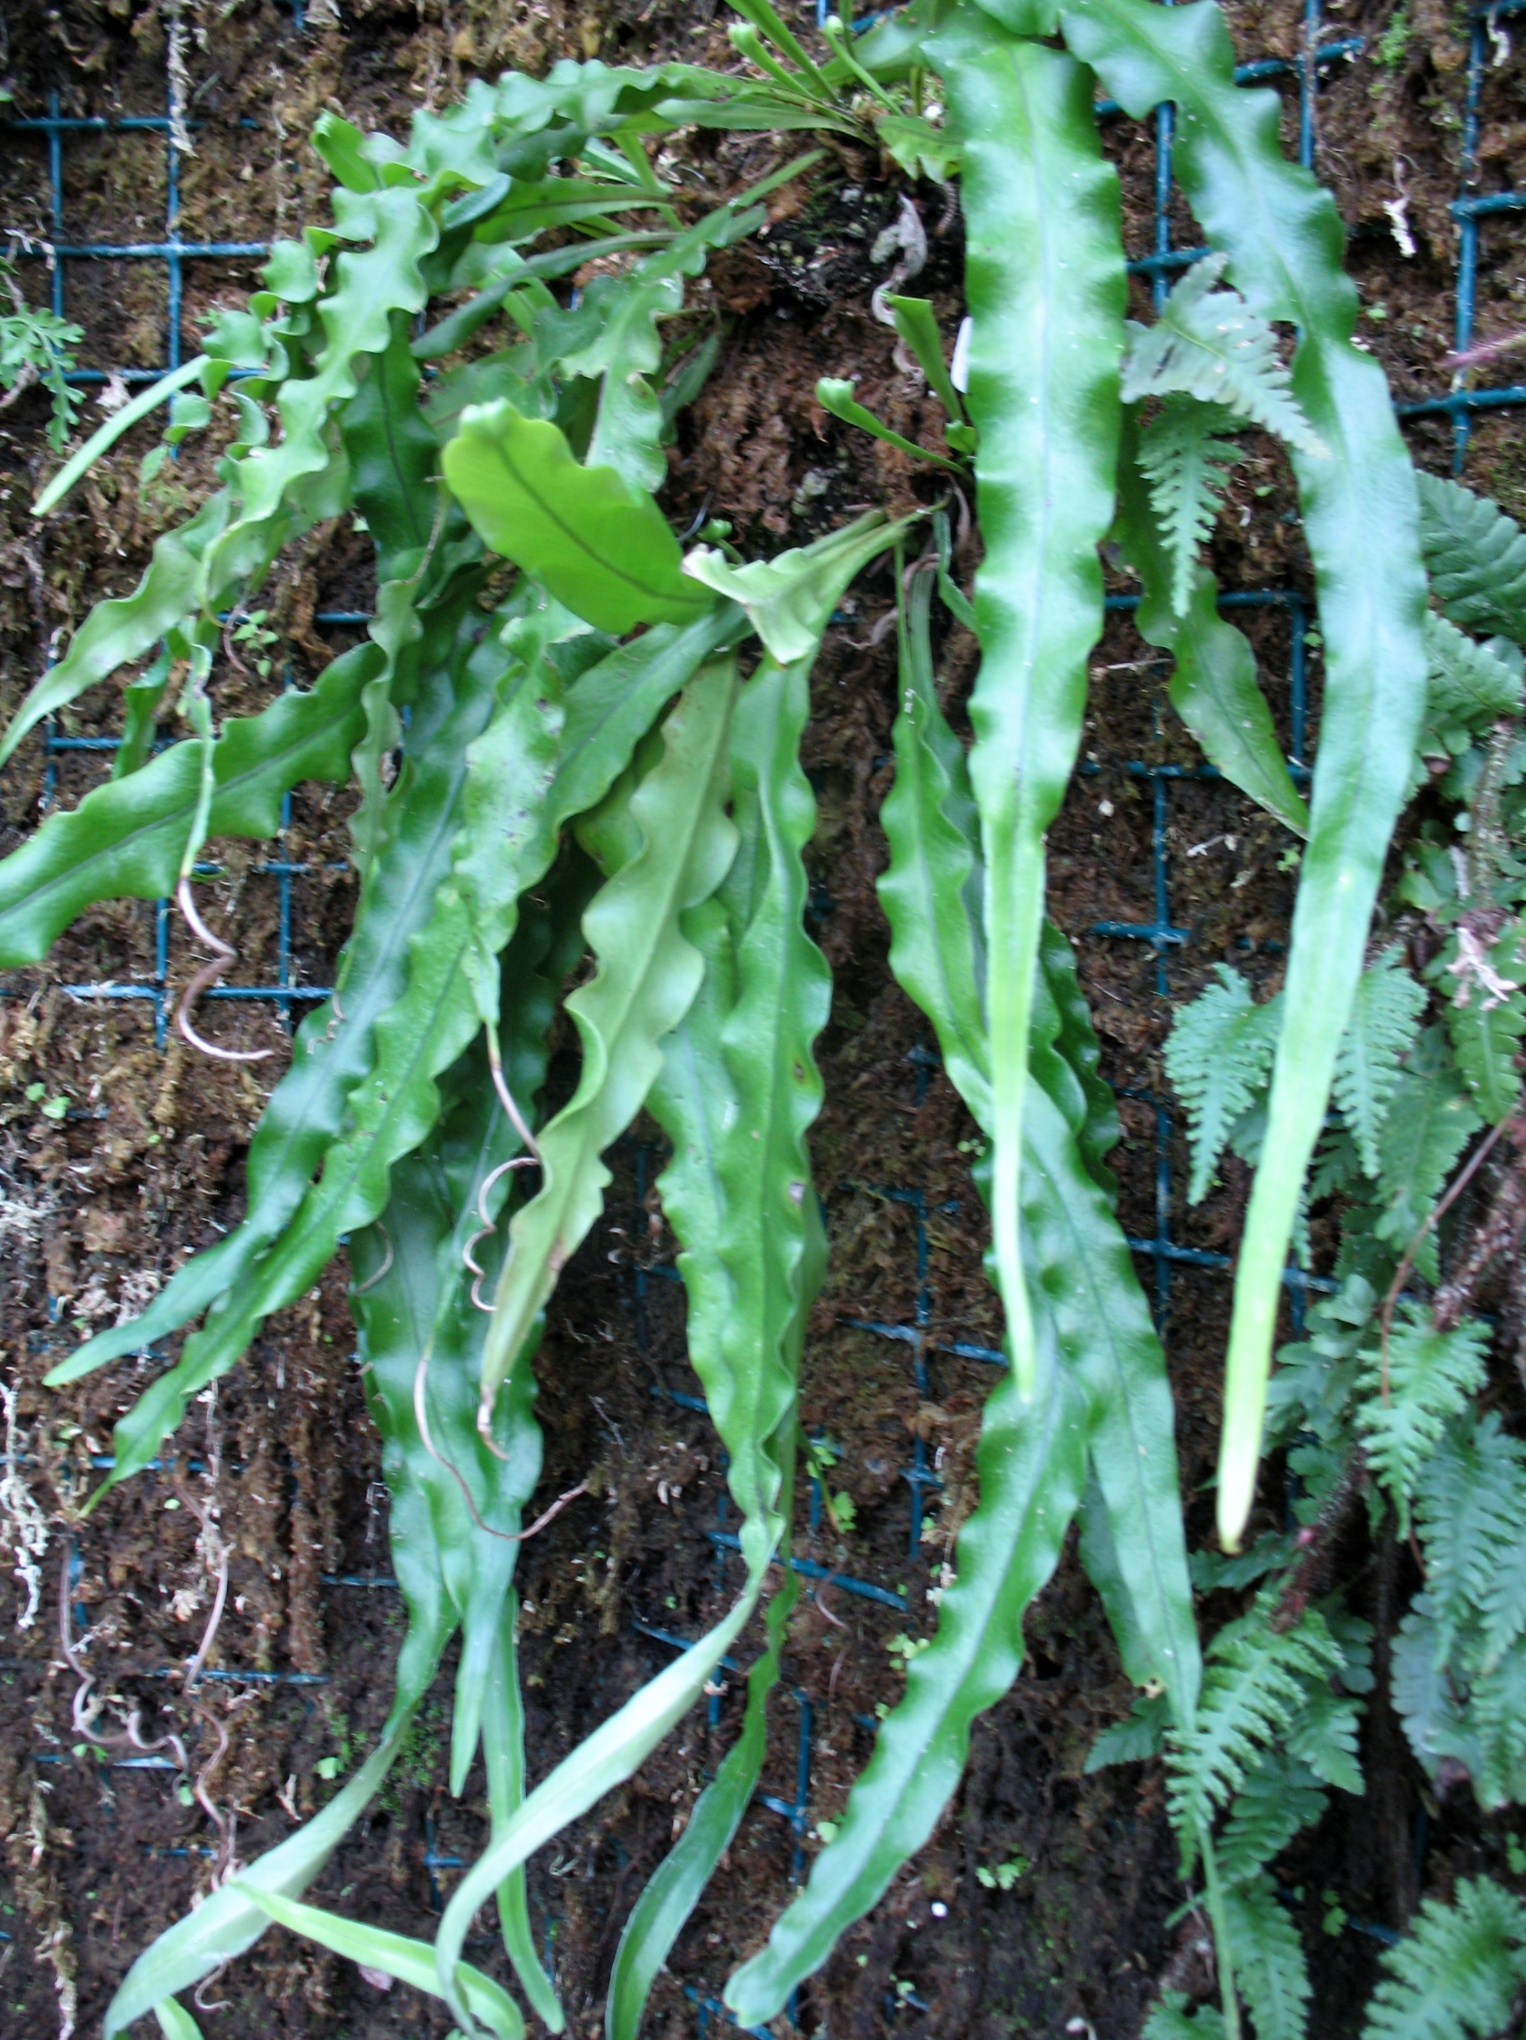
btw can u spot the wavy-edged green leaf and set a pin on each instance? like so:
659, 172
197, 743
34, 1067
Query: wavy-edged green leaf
428, 1024
1214, 688
648, 975
1045, 285
1283, 239
1476, 557
932, 885
1211, 345
126, 838
1081, 1263
597, 546
393, 455
410, 1961
789, 599
127, 627
1030, 1463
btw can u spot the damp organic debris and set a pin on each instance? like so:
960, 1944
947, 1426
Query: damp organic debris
575, 742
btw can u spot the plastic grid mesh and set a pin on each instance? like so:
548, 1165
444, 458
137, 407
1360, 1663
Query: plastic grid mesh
1158, 934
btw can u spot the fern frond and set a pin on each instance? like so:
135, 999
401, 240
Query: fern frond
1209, 344
1476, 558
1468, 685
1139, 1735
1432, 1375
1430, 1121
1459, 1973
1379, 1035
1186, 455
1312, 1386
1495, 1719
1471, 1504
1278, 1800
1270, 1967
1171, 2020
1256, 1677
1486, 1031
1217, 1057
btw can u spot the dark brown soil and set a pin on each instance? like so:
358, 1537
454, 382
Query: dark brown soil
97, 1206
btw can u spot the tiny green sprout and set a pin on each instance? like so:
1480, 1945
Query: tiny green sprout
34, 1093
1335, 1918
327, 1767
1515, 1855
55, 1107
826, 1829
907, 1647
184, 1794
1005, 1875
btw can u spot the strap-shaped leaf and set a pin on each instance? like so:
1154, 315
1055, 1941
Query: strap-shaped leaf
1283, 239
597, 546
648, 975
422, 1031
1045, 287
1214, 688
410, 1961
745, 1215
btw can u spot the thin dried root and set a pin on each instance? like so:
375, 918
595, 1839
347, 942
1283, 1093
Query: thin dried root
204, 980
372, 1280
488, 1227
506, 1097
421, 1417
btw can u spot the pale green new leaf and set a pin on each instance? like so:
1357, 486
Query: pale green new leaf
789, 600
835, 395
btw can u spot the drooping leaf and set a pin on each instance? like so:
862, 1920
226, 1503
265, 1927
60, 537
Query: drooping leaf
1283, 240
789, 600
1045, 286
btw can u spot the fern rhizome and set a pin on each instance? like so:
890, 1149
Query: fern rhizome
574, 740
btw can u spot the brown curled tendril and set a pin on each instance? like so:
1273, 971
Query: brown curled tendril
204, 980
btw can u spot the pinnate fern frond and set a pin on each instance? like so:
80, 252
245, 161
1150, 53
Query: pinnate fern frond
1468, 685
1172, 2020
1218, 1057
1280, 1798
1471, 1505
1476, 558
1209, 344
1256, 1678
1432, 1375
1459, 1975
1270, 1966
1380, 1033
1186, 456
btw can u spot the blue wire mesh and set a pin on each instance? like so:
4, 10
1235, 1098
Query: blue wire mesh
1156, 936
